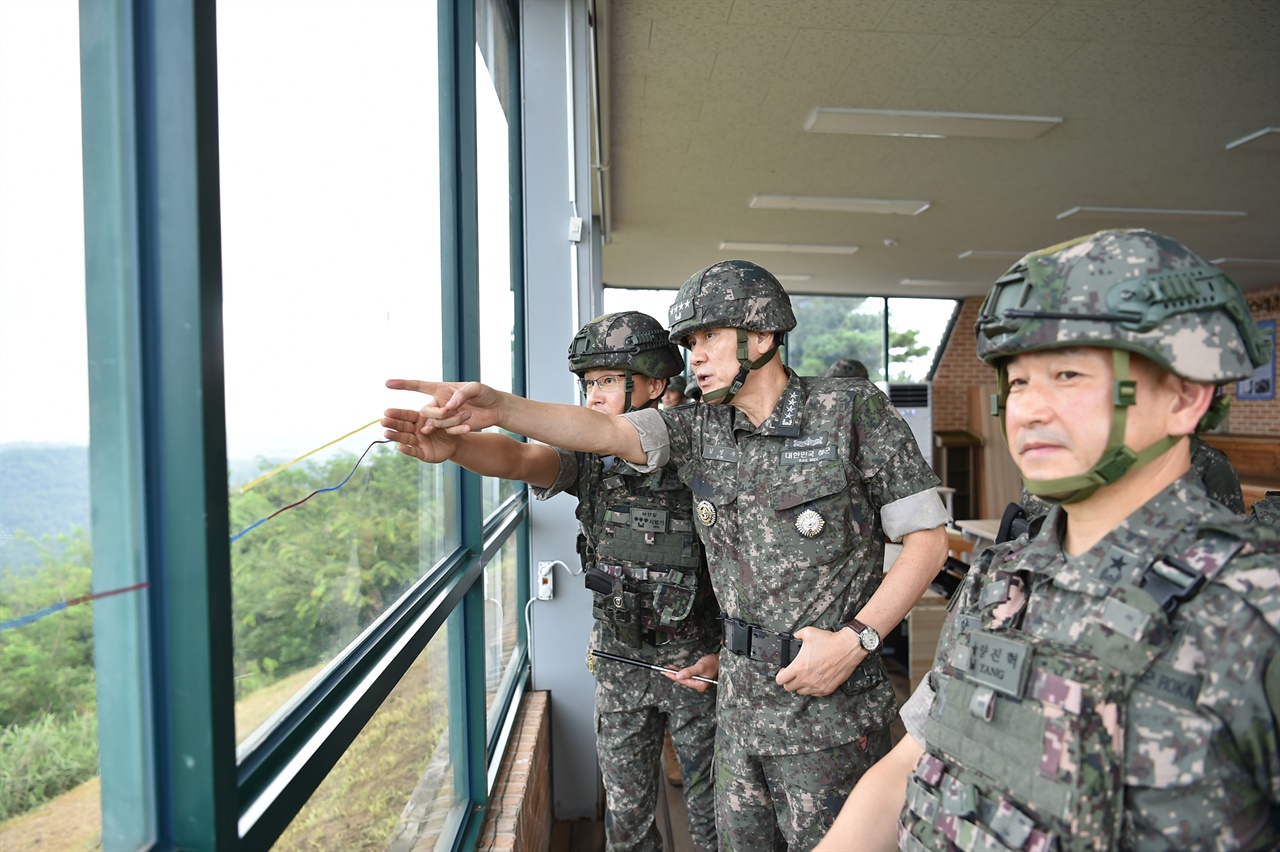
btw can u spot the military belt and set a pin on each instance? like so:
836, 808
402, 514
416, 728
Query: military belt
759, 643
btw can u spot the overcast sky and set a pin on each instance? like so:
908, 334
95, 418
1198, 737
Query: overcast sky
44, 390
330, 222
330, 219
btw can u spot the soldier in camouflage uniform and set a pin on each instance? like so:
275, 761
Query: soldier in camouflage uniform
675, 392
796, 482
652, 600
848, 368
1113, 679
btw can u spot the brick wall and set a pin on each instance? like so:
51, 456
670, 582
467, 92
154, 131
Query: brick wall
959, 370
1257, 416
519, 816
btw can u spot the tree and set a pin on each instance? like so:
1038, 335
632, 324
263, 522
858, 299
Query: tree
829, 328
305, 583
47, 665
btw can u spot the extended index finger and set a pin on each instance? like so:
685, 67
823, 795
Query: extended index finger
418, 385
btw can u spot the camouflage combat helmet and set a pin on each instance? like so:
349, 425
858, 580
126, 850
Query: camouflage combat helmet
678, 383
1130, 292
630, 341
734, 294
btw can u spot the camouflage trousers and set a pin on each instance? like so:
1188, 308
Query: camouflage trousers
780, 802
630, 743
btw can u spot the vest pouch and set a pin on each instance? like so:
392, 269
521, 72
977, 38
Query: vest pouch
1039, 738
616, 601
621, 607
648, 536
671, 602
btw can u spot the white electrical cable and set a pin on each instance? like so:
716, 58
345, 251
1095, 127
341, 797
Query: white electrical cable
528, 627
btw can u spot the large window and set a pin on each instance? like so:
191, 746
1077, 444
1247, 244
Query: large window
494, 217
330, 247
48, 710
905, 334
279, 605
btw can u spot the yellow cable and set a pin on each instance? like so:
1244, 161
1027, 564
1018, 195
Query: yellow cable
266, 476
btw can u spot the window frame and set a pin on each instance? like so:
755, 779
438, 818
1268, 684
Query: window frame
169, 768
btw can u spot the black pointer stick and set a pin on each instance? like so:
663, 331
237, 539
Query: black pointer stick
645, 665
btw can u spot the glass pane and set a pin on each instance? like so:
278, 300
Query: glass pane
48, 717
829, 328
916, 327
655, 303
394, 787
331, 260
501, 619
493, 203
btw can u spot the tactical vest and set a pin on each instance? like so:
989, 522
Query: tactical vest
1026, 735
641, 556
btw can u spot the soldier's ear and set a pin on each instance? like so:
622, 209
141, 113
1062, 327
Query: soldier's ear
1188, 403
762, 340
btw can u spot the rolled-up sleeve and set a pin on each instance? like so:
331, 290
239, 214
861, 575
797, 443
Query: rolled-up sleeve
566, 479
915, 712
654, 438
920, 511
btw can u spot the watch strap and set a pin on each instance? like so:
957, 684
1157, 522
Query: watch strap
859, 629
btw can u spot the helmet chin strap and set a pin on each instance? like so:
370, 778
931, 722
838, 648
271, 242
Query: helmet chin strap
726, 395
1117, 459
630, 386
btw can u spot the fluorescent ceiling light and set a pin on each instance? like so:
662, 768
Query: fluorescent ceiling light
1150, 214
839, 205
797, 248
989, 254
1246, 261
928, 125
793, 276
1266, 139
926, 282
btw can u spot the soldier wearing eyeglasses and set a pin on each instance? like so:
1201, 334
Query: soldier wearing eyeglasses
796, 482
652, 598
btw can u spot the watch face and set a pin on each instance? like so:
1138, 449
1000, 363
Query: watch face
870, 639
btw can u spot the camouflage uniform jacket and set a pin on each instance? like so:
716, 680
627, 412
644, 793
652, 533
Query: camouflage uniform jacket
1267, 510
833, 446
637, 528
1070, 703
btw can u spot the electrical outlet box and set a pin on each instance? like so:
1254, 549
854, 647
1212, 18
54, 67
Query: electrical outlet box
546, 580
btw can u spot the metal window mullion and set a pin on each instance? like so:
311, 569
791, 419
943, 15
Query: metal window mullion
283, 780
121, 622
460, 294
184, 416
152, 258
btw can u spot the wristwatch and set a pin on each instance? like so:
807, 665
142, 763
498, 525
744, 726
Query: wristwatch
868, 636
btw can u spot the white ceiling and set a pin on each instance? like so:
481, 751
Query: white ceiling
704, 104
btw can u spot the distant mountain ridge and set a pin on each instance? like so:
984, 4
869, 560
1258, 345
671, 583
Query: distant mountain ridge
44, 490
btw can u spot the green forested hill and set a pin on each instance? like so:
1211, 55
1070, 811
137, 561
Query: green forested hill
44, 490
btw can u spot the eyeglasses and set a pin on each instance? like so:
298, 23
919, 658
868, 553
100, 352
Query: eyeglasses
607, 384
